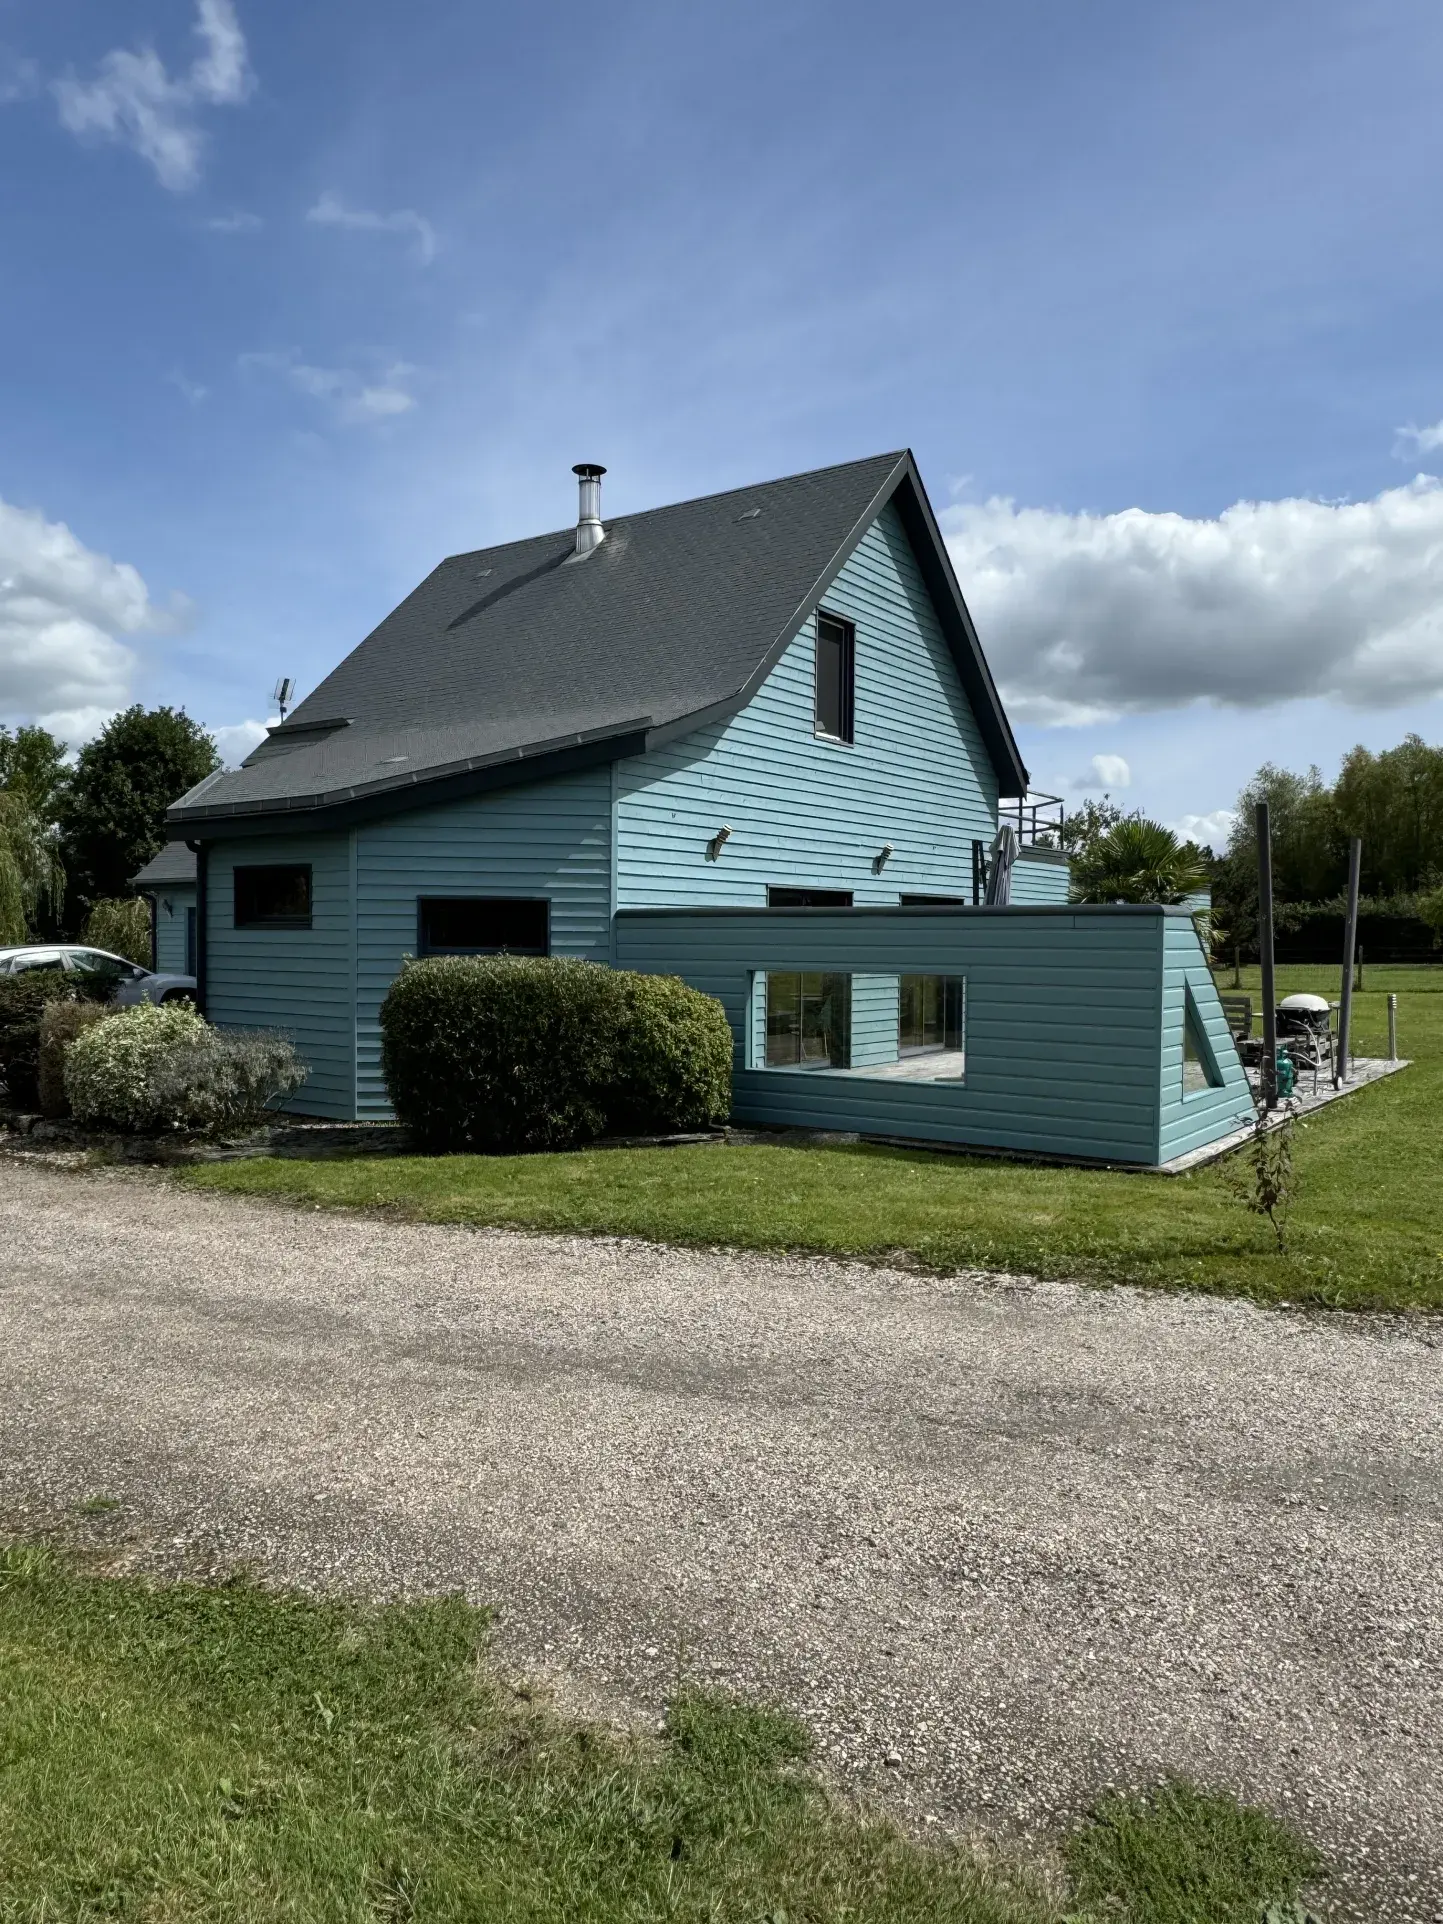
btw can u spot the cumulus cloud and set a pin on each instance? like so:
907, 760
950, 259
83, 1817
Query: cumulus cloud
239, 222
350, 397
63, 612
235, 740
1414, 440
1090, 616
1211, 831
1109, 772
135, 101
331, 211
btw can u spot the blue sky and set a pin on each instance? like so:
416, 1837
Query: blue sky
297, 299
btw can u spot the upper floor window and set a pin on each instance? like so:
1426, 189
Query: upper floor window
483, 925
275, 895
836, 676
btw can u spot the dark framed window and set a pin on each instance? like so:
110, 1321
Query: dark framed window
930, 1014
836, 676
483, 925
276, 895
809, 1020
809, 898
933, 901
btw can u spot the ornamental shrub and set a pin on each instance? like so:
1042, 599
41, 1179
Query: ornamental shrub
110, 1070
60, 1023
153, 1069
23, 999
673, 1060
519, 1052
226, 1081
121, 928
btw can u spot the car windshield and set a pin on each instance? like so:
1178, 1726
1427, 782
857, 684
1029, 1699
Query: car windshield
96, 962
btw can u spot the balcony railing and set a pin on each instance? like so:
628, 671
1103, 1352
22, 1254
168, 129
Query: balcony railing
1037, 818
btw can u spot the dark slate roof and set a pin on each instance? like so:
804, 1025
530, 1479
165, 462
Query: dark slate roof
515, 662
172, 868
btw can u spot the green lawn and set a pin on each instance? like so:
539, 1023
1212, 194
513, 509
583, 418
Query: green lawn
227, 1754
1367, 1231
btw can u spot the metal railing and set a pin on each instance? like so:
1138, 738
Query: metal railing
1037, 818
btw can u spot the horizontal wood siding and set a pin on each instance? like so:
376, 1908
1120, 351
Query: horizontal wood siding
297, 980
1192, 1121
549, 839
1041, 878
170, 907
1064, 1019
808, 812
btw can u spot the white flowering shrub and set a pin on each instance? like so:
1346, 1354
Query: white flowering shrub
156, 1068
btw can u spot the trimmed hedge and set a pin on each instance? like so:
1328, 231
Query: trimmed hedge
519, 1052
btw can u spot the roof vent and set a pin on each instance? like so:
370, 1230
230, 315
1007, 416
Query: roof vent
589, 531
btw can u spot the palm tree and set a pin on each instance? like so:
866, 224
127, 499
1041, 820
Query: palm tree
30, 868
1138, 861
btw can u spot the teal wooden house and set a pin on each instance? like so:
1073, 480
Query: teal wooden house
751, 740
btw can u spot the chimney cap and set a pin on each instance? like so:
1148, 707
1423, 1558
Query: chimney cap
589, 470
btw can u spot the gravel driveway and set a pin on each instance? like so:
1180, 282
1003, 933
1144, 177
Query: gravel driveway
1001, 1543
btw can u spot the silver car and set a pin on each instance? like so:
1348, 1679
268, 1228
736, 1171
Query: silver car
106, 977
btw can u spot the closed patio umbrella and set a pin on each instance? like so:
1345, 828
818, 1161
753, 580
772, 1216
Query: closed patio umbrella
999, 869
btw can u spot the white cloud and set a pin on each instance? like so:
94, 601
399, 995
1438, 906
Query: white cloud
63, 611
1413, 441
134, 100
19, 79
239, 222
235, 740
1210, 830
331, 211
192, 390
1089, 616
1109, 772
351, 398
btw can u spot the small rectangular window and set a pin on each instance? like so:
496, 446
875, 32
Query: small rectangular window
483, 925
809, 898
836, 676
274, 896
809, 1021
930, 1012
933, 901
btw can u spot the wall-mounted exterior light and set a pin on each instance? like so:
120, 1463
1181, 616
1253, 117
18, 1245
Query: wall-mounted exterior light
881, 858
714, 846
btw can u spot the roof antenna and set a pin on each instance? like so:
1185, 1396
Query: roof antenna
589, 531
282, 694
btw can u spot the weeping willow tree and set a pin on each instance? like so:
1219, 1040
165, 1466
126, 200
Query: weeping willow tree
30, 869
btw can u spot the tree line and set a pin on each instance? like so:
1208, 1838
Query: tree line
75, 829
1392, 800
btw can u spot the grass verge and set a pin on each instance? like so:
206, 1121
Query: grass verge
188, 1753
1367, 1231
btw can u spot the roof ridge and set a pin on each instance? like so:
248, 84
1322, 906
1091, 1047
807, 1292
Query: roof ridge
691, 501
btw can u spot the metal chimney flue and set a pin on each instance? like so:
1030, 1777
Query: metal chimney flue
589, 531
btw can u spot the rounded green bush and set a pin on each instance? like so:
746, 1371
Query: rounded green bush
519, 1052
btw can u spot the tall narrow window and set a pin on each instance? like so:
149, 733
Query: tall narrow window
483, 925
1199, 1065
930, 1012
836, 676
809, 1021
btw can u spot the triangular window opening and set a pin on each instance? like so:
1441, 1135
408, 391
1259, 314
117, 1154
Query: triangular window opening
1199, 1065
